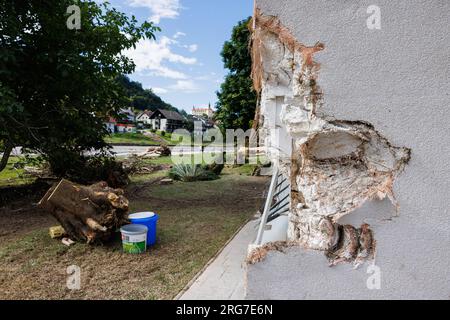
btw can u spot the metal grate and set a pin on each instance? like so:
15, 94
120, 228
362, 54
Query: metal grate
277, 202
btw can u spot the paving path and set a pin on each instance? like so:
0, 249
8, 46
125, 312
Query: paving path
224, 278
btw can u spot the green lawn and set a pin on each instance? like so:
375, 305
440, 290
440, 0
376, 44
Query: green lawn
137, 139
11, 176
140, 139
159, 160
243, 170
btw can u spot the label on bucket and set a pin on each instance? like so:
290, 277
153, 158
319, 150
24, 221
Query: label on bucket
134, 243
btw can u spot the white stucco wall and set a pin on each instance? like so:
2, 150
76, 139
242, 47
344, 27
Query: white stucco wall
162, 124
396, 78
144, 118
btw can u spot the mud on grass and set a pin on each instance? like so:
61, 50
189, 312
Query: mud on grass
196, 220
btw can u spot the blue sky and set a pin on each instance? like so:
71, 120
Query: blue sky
183, 66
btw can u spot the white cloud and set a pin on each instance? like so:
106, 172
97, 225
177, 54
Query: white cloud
150, 55
179, 34
160, 9
186, 86
167, 73
192, 47
203, 78
159, 90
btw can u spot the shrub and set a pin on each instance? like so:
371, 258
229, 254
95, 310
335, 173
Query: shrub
88, 169
103, 168
215, 168
189, 173
163, 133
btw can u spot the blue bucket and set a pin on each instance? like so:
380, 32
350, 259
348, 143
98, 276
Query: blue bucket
148, 219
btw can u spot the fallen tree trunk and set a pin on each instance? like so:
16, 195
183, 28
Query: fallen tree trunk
160, 151
87, 213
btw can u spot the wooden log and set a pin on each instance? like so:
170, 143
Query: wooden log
87, 213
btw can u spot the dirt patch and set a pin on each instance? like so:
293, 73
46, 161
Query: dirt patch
19, 213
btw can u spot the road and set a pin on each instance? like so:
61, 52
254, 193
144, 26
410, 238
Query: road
129, 150
125, 151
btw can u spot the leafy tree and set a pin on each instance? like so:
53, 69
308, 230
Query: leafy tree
237, 99
57, 85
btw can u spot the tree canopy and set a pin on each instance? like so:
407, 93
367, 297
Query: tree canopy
58, 85
236, 98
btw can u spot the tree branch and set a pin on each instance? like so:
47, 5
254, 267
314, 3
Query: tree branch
6, 154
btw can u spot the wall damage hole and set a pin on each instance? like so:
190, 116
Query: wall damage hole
333, 145
336, 165
354, 245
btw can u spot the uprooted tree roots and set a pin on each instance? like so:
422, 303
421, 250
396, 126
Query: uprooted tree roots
89, 214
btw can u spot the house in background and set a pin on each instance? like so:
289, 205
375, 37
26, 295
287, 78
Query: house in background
144, 117
166, 120
125, 124
126, 128
127, 115
111, 125
202, 112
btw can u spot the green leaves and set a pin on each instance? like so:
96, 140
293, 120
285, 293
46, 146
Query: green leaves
191, 173
235, 52
57, 86
237, 99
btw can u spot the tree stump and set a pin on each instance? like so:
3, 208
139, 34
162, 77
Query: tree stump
89, 214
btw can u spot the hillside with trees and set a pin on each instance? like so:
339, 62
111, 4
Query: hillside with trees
140, 98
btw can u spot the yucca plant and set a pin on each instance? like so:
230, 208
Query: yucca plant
191, 172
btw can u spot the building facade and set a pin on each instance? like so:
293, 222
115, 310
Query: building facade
126, 128
144, 117
354, 115
202, 112
125, 124
166, 120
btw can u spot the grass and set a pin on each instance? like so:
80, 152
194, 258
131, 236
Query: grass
159, 160
167, 136
136, 139
196, 220
139, 139
11, 176
243, 170
141, 178
229, 170
168, 160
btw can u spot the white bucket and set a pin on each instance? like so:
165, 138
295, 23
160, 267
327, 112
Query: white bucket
134, 238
